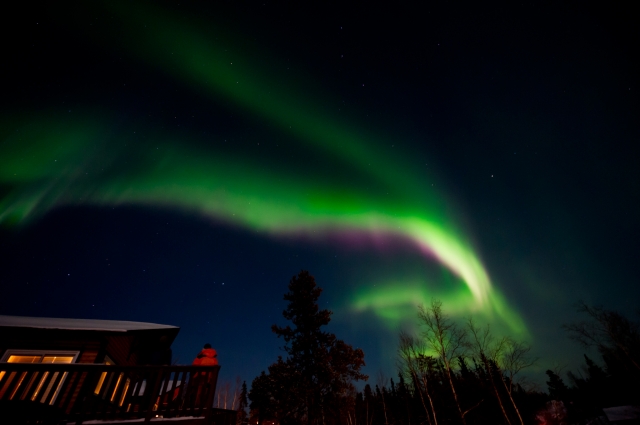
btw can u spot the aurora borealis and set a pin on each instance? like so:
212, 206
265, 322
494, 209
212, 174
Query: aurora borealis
243, 194
216, 118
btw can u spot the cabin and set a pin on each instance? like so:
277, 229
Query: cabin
55, 370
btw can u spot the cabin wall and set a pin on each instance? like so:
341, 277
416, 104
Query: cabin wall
119, 349
90, 348
131, 348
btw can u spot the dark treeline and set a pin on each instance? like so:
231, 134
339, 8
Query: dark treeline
452, 373
449, 372
402, 402
471, 376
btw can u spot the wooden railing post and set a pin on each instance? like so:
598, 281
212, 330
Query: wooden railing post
78, 401
153, 396
212, 381
81, 392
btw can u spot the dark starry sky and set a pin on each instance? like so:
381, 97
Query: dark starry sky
511, 126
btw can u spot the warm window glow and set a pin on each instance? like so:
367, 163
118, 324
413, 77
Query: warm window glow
100, 382
39, 359
18, 386
113, 396
29, 356
23, 359
39, 387
57, 359
55, 395
124, 391
103, 376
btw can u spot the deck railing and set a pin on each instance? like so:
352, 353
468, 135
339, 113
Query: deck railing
81, 392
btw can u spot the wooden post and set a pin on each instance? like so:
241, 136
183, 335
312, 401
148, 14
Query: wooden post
153, 396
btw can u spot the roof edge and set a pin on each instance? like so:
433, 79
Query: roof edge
78, 324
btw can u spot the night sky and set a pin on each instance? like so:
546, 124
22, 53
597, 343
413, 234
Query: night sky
178, 163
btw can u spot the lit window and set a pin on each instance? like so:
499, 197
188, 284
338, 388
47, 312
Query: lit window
33, 356
24, 359
38, 356
57, 359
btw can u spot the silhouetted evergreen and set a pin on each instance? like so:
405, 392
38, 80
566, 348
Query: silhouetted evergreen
482, 370
617, 339
242, 417
558, 390
313, 384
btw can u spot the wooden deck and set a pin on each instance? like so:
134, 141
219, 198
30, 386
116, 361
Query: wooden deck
90, 393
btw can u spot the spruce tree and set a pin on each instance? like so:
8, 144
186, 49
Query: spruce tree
557, 388
242, 405
310, 385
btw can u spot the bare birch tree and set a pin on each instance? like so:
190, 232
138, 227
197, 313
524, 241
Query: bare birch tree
504, 356
236, 393
223, 394
413, 368
447, 340
486, 348
382, 383
515, 359
611, 333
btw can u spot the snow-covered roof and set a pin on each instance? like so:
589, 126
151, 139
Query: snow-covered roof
188, 419
78, 324
622, 413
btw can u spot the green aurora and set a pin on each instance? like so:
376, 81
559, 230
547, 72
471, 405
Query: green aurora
50, 160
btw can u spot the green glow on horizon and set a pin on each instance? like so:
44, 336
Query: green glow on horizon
396, 303
47, 162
